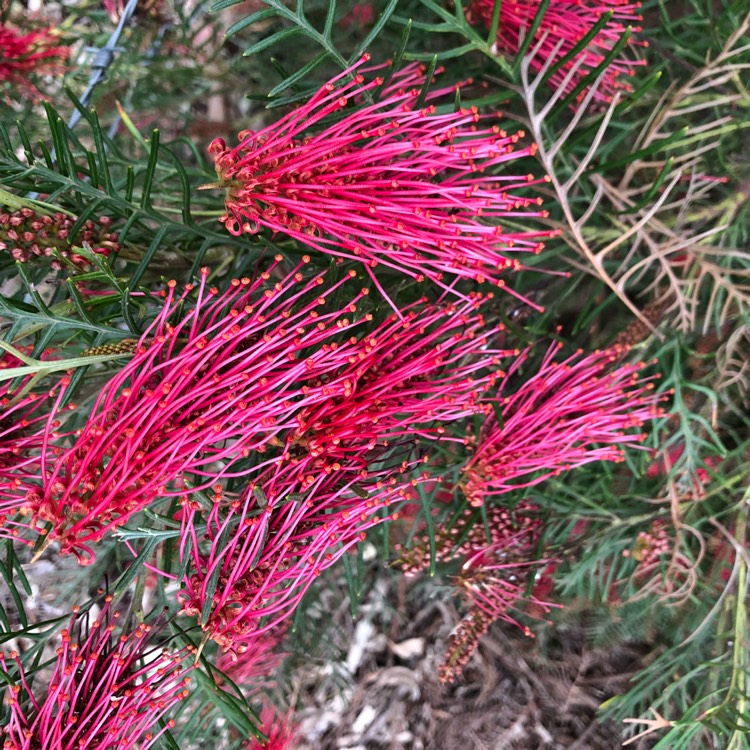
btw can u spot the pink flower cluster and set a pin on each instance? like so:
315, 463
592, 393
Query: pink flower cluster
563, 415
496, 559
278, 729
392, 184
26, 56
106, 691
564, 24
283, 422
276, 421
255, 368
252, 670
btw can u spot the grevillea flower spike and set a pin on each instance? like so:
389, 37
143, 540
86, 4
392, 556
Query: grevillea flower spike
391, 183
278, 728
564, 415
497, 558
261, 366
564, 24
410, 376
266, 551
106, 691
24, 56
206, 390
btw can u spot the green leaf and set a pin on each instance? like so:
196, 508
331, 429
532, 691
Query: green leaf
330, 18
429, 523
291, 80
427, 83
278, 36
450, 54
237, 712
148, 182
260, 15
654, 148
397, 58
655, 187
494, 23
213, 579
222, 4
7, 570
136, 566
148, 256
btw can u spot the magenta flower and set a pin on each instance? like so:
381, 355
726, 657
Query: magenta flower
411, 376
259, 554
414, 373
25, 56
252, 665
565, 415
360, 16
29, 423
494, 580
23, 412
277, 727
245, 373
564, 24
207, 390
389, 183
496, 561
105, 692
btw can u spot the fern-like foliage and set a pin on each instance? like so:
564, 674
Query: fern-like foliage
667, 229
313, 26
708, 673
150, 201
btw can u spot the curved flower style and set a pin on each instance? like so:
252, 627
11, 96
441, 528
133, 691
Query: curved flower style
252, 668
258, 369
565, 415
28, 429
105, 692
563, 26
497, 558
278, 728
258, 556
23, 56
391, 183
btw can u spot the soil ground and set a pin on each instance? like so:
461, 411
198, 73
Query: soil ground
516, 693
